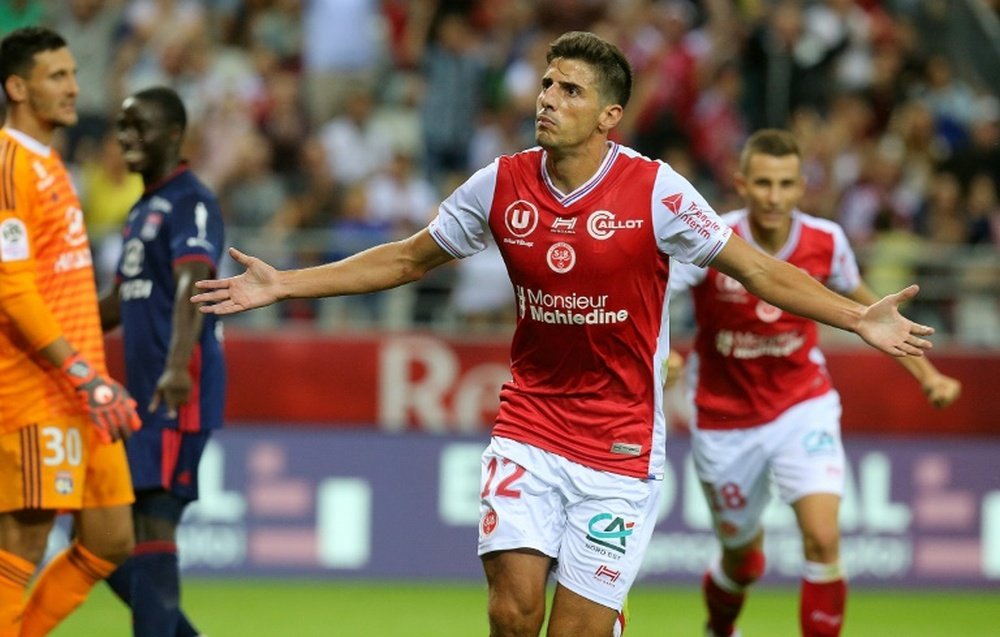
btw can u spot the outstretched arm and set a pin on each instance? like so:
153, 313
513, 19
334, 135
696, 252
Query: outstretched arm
786, 286
385, 266
941, 390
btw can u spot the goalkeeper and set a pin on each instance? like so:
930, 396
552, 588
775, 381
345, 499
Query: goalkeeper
62, 419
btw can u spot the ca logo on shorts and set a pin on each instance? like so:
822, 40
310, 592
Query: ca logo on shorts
819, 442
609, 531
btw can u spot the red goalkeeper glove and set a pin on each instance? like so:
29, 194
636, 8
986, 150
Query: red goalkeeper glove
108, 404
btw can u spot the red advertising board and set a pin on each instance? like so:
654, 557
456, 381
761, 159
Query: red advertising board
444, 383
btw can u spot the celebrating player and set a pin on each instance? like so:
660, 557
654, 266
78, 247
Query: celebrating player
586, 227
62, 418
173, 359
764, 402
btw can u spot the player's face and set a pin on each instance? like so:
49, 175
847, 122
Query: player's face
144, 136
52, 88
569, 108
771, 187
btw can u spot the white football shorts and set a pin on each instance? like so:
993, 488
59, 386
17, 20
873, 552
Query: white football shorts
800, 451
595, 524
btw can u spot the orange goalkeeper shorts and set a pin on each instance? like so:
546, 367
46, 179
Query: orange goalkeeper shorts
62, 465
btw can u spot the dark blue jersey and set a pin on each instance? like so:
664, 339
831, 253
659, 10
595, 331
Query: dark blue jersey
174, 221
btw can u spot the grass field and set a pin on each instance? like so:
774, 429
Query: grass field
259, 608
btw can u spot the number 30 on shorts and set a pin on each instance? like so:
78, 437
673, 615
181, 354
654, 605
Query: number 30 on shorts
505, 473
62, 446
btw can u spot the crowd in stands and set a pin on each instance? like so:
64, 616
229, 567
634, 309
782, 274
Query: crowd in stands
346, 121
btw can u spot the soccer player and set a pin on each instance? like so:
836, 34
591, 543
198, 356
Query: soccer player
765, 408
173, 358
62, 418
571, 477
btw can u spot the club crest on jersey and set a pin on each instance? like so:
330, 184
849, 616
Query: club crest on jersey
64, 483
561, 257
489, 522
521, 218
602, 224
151, 226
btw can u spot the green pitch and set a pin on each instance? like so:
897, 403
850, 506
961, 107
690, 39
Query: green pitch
262, 608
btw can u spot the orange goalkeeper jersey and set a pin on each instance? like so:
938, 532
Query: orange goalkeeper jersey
45, 266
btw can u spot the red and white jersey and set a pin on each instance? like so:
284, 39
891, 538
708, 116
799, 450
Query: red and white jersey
753, 361
589, 271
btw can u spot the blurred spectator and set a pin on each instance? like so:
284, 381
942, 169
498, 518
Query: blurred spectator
454, 72
252, 194
400, 198
281, 119
783, 69
482, 297
343, 46
892, 256
666, 88
948, 97
15, 14
353, 231
92, 29
879, 190
718, 126
943, 218
107, 192
984, 211
353, 147
277, 30
983, 150
499, 132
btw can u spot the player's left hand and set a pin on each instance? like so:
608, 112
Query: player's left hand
941, 390
885, 329
173, 389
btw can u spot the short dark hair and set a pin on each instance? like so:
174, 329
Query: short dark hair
613, 70
168, 101
19, 48
773, 142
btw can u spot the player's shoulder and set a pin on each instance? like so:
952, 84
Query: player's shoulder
528, 156
186, 186
734, 217
16, 152
817, 225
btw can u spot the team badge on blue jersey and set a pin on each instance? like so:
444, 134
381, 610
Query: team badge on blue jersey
152, 226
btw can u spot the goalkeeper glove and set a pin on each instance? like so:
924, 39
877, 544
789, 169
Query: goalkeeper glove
108, 404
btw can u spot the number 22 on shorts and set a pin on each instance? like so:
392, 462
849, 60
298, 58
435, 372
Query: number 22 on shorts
504, 473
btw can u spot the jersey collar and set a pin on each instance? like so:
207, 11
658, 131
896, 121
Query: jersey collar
29, 142
156, 185
790, 243
589, 185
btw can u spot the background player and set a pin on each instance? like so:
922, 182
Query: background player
764, 402
61, 417
585, 226
174, 366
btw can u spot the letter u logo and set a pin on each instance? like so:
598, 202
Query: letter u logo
521, 218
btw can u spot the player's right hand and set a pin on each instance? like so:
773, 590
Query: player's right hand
110, 407
256, 287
